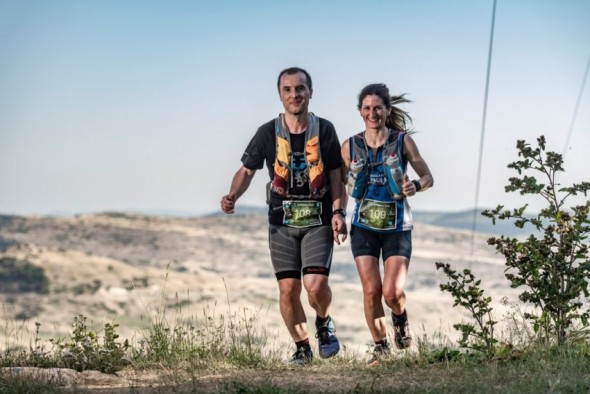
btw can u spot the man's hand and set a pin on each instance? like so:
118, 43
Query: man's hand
339, 228
228, 202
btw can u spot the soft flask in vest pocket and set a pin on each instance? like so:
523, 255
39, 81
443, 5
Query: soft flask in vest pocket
356, 184
395, 176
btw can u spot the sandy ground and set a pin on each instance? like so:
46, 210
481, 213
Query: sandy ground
133, 270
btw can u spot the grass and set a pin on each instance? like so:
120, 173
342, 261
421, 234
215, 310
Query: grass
228, 351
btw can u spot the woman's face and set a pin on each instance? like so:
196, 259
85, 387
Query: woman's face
374, 112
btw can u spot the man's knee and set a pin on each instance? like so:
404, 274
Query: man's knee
289, 289
316, 285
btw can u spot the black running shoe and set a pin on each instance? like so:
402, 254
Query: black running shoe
302, 356
379, 353
401, 331
328, 344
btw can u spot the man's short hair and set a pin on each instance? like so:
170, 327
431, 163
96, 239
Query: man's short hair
291, 71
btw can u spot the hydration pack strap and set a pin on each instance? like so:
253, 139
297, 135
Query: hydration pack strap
283, 166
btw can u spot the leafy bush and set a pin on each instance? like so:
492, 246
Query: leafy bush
83, 349
466, 291
554, 268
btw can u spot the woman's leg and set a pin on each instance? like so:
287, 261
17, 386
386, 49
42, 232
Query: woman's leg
394, 281
368, 269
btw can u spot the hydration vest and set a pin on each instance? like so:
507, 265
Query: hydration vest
283, 175
358, 179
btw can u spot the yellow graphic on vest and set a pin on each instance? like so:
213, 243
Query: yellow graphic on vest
314, 161
282, 161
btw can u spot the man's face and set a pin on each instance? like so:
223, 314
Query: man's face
294, 93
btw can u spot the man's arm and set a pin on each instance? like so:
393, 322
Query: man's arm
337, 190
345, 153
239, 185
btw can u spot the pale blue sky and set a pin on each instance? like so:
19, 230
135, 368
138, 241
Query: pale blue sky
148, 105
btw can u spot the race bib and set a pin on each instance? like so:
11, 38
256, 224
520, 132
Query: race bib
378, 215
302, 213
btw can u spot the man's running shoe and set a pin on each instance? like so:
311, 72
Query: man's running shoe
327, 342
302, 356
401, 331
380, 351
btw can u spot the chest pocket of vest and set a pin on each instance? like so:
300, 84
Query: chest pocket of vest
281, 166
357, 180
317, 178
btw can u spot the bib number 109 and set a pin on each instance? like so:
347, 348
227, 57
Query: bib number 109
378, 215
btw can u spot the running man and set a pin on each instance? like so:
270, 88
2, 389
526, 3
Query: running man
306, 215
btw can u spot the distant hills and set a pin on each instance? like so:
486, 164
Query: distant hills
464, 220
459, 219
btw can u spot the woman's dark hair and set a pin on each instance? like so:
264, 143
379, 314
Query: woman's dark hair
398, 118
292, 71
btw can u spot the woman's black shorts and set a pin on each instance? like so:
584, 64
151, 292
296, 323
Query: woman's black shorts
372, 243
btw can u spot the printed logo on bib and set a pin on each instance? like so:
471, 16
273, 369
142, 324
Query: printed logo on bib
378, 215
302, 213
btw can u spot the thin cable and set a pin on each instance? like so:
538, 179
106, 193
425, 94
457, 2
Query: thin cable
483, 131
569, 134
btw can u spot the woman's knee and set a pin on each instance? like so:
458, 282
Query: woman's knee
373, 292
393, 295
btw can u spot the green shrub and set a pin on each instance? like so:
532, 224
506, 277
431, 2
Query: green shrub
553, 267
83, 349
466, 292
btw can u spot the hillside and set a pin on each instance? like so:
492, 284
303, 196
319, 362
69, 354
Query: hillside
130, 268
462, 220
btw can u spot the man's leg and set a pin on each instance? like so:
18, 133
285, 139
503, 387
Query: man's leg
316, 256
292, 309
295, 320
319, 293
285, 254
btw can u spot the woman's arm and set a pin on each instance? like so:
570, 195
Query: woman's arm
419, 165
